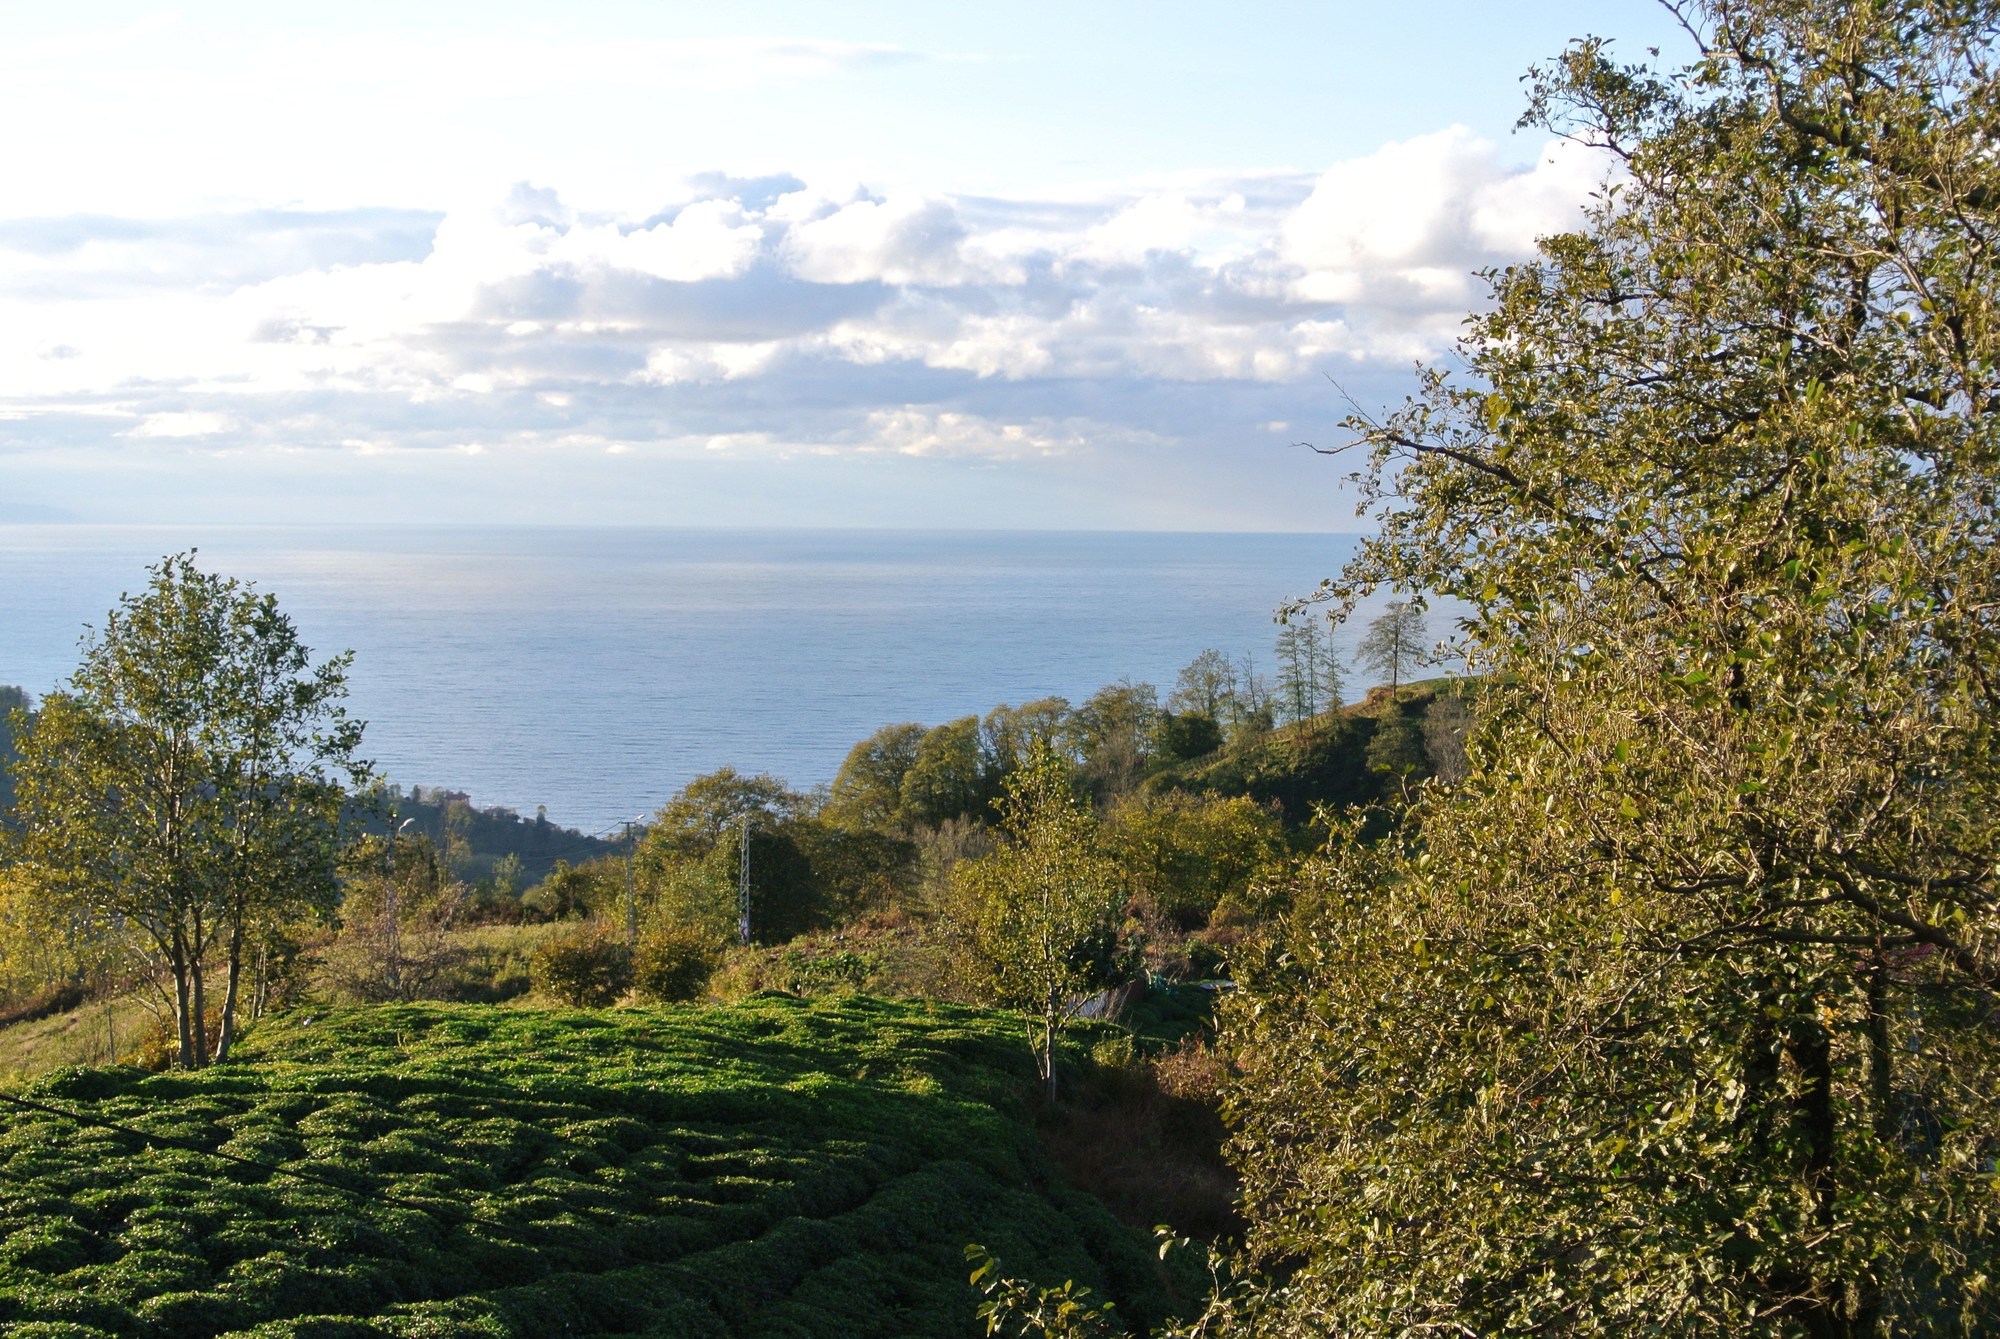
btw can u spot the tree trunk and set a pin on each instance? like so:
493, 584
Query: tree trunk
1843, 1308
227, 1037
1049, 1056
1881, 1056
200, 1020
178, 963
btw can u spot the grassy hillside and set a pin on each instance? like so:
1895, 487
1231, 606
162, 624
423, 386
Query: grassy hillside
1346, 757
777, 1167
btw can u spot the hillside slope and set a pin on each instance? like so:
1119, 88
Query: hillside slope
1352, 755
778, 1167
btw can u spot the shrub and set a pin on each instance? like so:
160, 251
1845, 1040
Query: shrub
587, 968
674, 963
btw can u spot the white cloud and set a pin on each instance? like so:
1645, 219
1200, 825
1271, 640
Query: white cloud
189, 424
710, 239
1404, 226
739, 316
914, 431
912, 240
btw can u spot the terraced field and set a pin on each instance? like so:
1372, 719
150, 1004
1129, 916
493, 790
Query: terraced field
777, 1167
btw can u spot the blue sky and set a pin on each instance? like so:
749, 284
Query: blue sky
1088, 265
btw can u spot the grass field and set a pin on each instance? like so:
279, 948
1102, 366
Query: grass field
773, 1167
95, 1033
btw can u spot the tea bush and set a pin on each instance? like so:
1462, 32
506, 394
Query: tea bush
773, 1167
673, 964
585, 967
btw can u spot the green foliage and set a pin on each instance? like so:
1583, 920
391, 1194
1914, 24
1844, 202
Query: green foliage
1185, 737
688, 862
484, 837
1012, 1306
188, 786
587, 967
855, 870
708, 811
12, 701
672, 964
691, 894
895, 957
1322, 761
1037, 919
1182, 855
1206, 686
867, 792
50, 944
1113, 736
1674, 1016
593, 888
775, 1167
1396, 750
805, 871
948, 777
1010, 733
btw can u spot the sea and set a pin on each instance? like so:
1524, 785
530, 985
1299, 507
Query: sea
593, 672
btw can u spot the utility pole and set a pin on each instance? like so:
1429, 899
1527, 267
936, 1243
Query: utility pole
394, 912
631, 900
743, 888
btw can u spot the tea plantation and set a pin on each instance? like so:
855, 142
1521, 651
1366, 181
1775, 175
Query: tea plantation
775, 1167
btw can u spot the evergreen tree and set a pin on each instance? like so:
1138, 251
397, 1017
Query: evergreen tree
1309, 678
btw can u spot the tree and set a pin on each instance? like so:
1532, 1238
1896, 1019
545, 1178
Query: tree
1181, 855
688, 862
1394, 642
1009, 733
1113, 734
1184, 737
868, 789
711, 807
12, 700
1032, 918
1206, 686
948, 776
1674, 1016
188, 784
1309, 678
596, 887
397, 911
1254, 715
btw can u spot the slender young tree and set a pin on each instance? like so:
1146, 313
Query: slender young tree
1309, 677
1034, 918
188, 783
1396, 639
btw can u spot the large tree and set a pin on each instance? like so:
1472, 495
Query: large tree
868, 790
187, 785
1206, 686
1112, 734
1676, 1015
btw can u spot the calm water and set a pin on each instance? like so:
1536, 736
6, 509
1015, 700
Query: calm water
596, 671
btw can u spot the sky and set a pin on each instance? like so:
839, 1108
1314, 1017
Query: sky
1081, 265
